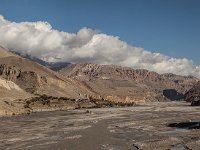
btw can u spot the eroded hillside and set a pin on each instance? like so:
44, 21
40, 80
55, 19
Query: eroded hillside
127, 84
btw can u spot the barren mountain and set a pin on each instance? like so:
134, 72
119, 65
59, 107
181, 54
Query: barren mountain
35, 78
130, 85
27, 79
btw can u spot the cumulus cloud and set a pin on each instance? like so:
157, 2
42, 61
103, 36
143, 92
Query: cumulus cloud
86, 46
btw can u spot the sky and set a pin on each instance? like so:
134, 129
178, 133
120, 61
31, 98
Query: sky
159, 35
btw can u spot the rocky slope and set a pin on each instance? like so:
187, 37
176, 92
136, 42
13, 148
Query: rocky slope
193, 95
35, 78
130, 85
19, 76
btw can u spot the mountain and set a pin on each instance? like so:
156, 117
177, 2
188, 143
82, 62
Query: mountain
29, 79
125, 84
29, 84
33, 77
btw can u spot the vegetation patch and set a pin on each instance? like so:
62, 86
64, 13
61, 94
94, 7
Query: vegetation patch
51, 101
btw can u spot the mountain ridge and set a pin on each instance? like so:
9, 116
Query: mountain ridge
113, 78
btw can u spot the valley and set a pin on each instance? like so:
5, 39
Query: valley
94, 107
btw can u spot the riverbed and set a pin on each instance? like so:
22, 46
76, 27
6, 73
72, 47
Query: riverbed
129, 128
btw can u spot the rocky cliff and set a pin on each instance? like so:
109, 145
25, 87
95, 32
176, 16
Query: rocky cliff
193, 95
127, 84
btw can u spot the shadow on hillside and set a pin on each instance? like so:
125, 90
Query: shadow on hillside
173, 95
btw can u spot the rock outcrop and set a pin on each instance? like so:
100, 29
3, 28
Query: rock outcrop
9, 85
193, 95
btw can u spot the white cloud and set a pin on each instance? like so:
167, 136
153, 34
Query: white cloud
87, 45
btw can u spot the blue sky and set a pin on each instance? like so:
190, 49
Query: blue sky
171, 27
